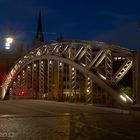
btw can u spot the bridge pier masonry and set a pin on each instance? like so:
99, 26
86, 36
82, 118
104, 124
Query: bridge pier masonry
136, 81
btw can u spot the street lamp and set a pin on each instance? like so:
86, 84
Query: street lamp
9, 41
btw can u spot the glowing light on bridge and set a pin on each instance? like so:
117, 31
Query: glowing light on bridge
123, 98
60, 63
83, 64
87, 90
50, 62
73, 69
102, 76
88, 78
128, 98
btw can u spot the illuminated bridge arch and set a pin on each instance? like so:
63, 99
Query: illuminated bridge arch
40, 71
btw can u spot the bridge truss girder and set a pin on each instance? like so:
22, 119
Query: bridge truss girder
84, 56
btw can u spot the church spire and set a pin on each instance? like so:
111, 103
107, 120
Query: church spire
39, 34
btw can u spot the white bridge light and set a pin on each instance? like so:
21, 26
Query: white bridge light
72, 69
60, 63
123, 98
50, 62
102, 76
127, 97
88, 78
87, 90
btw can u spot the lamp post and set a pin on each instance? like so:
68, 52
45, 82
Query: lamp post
9, 41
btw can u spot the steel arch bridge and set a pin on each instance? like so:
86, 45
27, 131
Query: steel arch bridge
43, 71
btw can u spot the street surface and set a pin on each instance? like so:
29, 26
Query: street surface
48, 120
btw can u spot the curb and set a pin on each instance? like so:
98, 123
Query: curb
103, 108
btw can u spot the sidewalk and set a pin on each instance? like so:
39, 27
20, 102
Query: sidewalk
95, 106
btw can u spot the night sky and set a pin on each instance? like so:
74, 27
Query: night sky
111, 21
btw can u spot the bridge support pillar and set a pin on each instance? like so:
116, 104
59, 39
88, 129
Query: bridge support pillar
136, 79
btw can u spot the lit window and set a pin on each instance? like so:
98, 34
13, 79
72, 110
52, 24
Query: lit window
115, 58
119, 58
